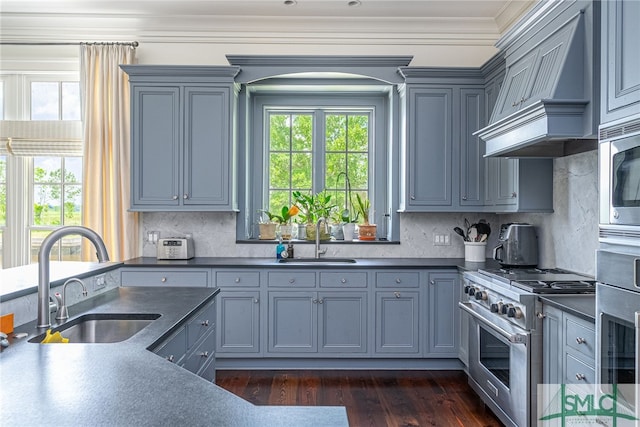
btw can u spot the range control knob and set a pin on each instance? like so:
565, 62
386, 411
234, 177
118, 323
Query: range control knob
472, 291
496, 307
505, 308
515, 312
466, 289
481, 295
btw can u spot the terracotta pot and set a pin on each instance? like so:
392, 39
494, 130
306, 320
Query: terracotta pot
367, 231
267, 231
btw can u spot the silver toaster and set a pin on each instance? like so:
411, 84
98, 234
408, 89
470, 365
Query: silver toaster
176, 248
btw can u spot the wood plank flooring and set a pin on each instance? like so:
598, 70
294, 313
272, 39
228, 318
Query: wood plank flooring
372, 398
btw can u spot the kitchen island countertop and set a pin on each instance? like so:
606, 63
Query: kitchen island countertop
125, 383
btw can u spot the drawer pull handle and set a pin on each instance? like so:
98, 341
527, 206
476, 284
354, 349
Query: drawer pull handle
237, 280
581, 377
398, 280
397, 294
204, 354
171, 358
581, 340
205, 323
164, 279
292, 280
343, 280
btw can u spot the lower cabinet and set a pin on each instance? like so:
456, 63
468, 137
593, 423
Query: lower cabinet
176, 277
239, 321
192, 345
397, 322
568, 349
444, 315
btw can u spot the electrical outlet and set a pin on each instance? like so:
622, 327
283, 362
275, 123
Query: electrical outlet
441, 239
99, 282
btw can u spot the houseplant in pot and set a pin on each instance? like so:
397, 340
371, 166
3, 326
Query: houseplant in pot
283, 219
345, 216
366, 230
314, 207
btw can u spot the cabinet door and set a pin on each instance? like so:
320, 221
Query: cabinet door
552, 348
620, 59
206, 146
397, 322
506, 186
472, 118
430, 142
444, 318
514, 87
292, 324
343, 322
239, 322
155, 130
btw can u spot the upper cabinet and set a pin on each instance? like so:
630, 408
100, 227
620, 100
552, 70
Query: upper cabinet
182, 145
620, 64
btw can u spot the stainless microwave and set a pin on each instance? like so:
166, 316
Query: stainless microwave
620, 182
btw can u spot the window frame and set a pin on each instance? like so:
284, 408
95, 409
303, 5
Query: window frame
381, 98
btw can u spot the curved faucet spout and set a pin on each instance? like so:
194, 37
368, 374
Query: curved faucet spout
44, 315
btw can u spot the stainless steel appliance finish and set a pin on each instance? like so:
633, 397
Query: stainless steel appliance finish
505, 335
176, 248
518, 245
618, 326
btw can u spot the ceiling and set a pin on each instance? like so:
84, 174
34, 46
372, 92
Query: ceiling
405, 21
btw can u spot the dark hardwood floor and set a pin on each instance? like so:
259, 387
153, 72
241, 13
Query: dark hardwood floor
372, 398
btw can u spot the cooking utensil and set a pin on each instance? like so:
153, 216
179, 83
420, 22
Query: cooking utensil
472, 234
459, 231
483, 228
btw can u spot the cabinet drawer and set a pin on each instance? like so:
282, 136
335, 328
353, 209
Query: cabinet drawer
297, 279
197, 359
237, 278
343, 280
174, 348
580, 336
578, 372
208, 371
201, 324
398, 280
198, 278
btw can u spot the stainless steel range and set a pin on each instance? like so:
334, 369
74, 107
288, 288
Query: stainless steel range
505, 334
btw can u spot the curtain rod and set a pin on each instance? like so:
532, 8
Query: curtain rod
132, 44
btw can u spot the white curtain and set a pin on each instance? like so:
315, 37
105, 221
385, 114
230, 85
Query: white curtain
105, 106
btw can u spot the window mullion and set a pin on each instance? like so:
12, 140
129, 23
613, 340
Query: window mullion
18, 212
319, 150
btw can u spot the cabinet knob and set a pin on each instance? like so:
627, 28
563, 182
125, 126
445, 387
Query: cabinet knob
581, 377
433, 282
580, 340
320, 301
514, 195
540, 315
315, 301
164, 279
464, 197
237, 280
185, 196
343, 280
256, 300
397, 294
204, 354
292, 280
205, 323
171, 358
398, 280
175, 197
412, 197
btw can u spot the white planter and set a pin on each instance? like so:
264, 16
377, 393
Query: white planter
349, 230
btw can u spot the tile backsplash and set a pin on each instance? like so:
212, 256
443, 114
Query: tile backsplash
568, 237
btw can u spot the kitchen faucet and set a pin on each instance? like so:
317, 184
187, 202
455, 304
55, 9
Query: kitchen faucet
63, 313
319, 251
44, 315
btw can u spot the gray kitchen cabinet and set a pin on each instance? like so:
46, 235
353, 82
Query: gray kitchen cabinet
463, 346
620, 62
397, 313
293, 324
519, 185
238, 312
182, 138
568, 349
444, 316
472, 162
177, 277
192, 345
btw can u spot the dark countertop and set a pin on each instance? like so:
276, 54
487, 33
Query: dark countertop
361, 263
126, 384
581, 305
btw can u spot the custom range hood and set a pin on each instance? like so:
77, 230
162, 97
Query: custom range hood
547, 105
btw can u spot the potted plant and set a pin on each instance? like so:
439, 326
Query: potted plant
284, 220
366, 230
347, 221
314, 207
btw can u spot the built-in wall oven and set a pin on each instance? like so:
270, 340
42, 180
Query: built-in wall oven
618, 329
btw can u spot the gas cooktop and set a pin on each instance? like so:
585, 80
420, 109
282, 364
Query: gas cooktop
539, 281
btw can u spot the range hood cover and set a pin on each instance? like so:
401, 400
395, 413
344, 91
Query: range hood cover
544, 106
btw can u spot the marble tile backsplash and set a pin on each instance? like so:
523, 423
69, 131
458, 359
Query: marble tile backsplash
568, 237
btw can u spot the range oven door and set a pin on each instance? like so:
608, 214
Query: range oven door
618, 329
499, 365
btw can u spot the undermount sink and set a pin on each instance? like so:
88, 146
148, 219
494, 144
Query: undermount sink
317, 261
102, 327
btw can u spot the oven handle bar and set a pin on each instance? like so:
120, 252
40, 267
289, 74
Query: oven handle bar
512, 338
